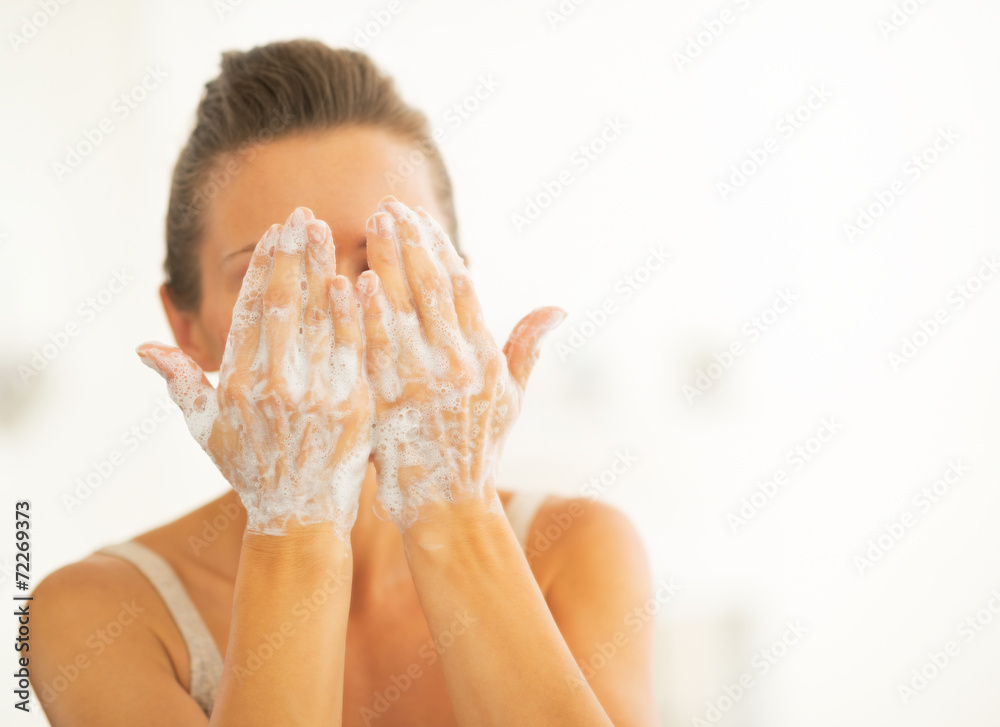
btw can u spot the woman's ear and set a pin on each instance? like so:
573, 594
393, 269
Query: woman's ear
188, 332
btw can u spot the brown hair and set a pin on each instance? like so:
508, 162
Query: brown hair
268, 92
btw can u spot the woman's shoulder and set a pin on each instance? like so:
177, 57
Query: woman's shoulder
576, 536
572, 521
97, 622
106, 602
101, 581
84, 609
91, 592
87, 584
101, 576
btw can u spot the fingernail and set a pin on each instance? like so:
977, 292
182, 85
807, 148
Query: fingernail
461, 284
367, 283
316, 231
555, 319
380, 224
149, 361
387, 200
293, 235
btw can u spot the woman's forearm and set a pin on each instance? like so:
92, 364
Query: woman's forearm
504, 660
285, 658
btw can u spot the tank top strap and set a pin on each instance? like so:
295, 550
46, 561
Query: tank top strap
206, 662
521, 509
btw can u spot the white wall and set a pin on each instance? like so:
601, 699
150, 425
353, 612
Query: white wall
827, 356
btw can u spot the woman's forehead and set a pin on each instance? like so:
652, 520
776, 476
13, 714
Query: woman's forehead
340, 175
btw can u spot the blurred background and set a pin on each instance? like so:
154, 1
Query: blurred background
779, 247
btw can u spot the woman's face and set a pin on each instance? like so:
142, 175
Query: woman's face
340, 175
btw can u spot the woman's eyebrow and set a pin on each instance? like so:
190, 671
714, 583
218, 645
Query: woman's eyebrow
248, 248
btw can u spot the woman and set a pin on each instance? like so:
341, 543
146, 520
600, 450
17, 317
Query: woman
363, 569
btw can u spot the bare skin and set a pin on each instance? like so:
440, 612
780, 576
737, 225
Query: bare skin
548, 610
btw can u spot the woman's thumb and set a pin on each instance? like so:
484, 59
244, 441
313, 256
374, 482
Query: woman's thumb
525, 341
187, 385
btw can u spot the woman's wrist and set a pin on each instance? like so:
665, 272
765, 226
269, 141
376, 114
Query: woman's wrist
469, 530
331, 506
299, 549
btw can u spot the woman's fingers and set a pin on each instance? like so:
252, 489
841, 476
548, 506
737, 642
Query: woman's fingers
187, 385
346, 328
521, 349
383, 259
379, 359
282, 304
428, 282
467, 309
321, 269
441, 244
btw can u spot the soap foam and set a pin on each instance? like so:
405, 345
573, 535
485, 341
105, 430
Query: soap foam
295, 448
442, 440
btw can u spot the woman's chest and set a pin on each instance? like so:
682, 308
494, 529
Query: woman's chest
392, 673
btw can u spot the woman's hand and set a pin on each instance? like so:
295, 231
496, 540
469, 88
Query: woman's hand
290, 423
445, 397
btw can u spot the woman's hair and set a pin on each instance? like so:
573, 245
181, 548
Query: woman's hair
272, 91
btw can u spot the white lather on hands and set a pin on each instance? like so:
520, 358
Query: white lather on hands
445, 395
290, 423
